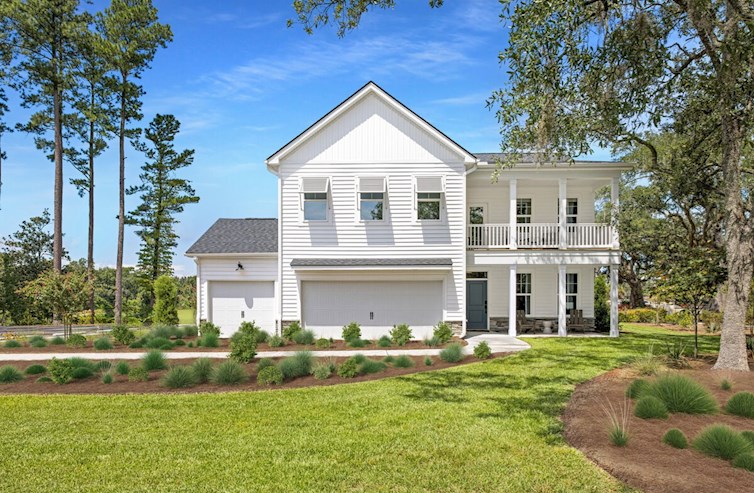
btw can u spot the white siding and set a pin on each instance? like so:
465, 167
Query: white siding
224, 269
372, 139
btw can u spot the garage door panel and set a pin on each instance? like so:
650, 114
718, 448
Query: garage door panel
375, 305
236, 302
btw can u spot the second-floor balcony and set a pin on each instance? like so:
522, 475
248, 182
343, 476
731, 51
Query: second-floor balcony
540, 236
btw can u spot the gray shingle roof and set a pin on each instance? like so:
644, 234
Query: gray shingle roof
238, 236
371, 262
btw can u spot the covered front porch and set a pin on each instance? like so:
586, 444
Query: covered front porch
538, 294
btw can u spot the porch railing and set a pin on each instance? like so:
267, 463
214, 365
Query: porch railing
544, 235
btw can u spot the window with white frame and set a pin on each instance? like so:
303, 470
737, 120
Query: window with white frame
523, 211
572, 210
371, 198
315, 198
523, 293
429, 194
572, 290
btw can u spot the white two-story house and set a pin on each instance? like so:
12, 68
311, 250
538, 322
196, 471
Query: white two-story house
383, 220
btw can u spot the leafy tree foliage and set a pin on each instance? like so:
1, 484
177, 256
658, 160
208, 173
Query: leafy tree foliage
60, 293
166, 301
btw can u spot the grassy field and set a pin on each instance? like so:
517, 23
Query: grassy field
491, 426
187, 316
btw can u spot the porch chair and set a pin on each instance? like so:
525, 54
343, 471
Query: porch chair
576, 321
523, 324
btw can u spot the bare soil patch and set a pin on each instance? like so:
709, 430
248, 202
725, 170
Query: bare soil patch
121, 385
647, 463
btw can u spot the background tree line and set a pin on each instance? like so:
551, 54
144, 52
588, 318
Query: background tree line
78, 71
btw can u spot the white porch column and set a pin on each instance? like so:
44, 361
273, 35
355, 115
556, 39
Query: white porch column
614, 301
512, 301
512, 184
615, 201
198, 316
562, 200
562, 330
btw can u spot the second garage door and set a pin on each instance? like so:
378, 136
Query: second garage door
236, 302
375, 305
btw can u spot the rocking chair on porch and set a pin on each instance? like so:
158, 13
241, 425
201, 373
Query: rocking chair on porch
523, 324
576, 321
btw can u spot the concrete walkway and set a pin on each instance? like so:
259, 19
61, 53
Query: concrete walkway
498, 344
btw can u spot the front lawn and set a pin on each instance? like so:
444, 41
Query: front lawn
491, 426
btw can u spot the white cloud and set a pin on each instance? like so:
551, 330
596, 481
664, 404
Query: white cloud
471, 99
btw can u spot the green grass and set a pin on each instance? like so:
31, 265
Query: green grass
484, 427
722, 441
675, 438
186, 316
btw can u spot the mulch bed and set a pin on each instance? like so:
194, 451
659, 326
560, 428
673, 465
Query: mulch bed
224, 346
121, 385
647, 463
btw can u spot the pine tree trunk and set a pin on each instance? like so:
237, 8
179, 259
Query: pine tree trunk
118, 308
90, 240
57, 240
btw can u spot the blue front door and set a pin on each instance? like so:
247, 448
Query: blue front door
476, 305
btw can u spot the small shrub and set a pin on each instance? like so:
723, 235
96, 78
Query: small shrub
154, 360
136, 345
43, 380
270, 375
83, 363
304, 337
650, 407
388, 359
121, 368
76, 340
427, 361
721, 441
275, 341
190, 344
82, 373
292, 328
138, 374
482, 350
10, 374
179, 342
725, 384
618, 436
675, 438
618, 420
401, 334
675, 355
683, 395
744, 461
384, 341
190, 331
322, 343
162, 332
682, 318
206, 328
202, 369
103, 344
748, 435
637, 388
370, 366
351, 331
322, 371
348, 369
433, 341
122, 334
57, 341
359, 358
104, 365
38, 342
12, 343
452, 354
403, 361
35, 370
107, 378
179, 377
712, 321
298, 365
638, 315
647, 364
228, 373
357, 343
264, 363
443, 332
243, 346
741, 404
159, 343
209, 340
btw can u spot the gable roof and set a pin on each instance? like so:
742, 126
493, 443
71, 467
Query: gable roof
369, 88
238, 236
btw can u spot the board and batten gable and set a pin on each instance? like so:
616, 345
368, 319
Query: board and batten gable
373, 138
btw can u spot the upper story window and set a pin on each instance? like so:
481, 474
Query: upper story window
523, 211
371, 198
429, 194
315, 198
572, 210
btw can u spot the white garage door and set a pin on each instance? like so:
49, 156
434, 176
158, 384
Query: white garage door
235, 302
329, 305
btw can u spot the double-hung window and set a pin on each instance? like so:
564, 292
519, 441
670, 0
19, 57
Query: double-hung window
523, 293
429, 195
371, 198
315, 198
572, 290
572, 210
523, 211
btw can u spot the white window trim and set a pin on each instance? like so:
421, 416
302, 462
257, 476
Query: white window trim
328, 200
531, 210
384, 200
441, 191
530, 294
483, 205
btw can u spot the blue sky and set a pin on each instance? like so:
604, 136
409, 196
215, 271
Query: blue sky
242, 84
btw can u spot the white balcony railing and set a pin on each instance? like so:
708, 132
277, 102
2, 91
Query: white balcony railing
545, 235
